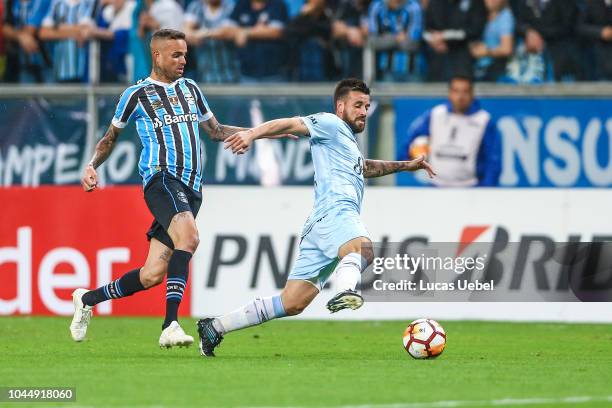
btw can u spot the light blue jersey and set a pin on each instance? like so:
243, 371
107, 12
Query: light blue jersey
338, 165
339, 184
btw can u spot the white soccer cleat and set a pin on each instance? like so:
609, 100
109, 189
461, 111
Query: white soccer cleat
174, 335
82, 316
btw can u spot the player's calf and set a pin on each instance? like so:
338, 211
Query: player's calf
258, 311
356, 255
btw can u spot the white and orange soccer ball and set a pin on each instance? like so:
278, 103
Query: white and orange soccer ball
424, 338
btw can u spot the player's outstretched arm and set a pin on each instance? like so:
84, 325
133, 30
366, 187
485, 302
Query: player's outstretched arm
378, 168
219, 132
274, 129
105, 146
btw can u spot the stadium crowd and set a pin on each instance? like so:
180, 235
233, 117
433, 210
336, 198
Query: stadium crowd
513, 41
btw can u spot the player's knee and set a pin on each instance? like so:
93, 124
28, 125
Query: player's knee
152, 275
367, 252
188, 242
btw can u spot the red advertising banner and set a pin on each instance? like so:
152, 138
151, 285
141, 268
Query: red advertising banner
56, 239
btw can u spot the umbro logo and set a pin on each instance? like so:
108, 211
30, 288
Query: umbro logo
182, 196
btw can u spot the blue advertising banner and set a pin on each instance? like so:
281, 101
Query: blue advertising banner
42, 141
546, 142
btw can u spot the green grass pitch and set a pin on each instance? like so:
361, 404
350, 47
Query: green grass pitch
294, 363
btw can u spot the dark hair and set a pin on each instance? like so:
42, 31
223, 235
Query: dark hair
168, 34
347, 85
466, 78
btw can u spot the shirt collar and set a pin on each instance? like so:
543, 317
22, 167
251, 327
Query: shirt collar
474, 107
162, 83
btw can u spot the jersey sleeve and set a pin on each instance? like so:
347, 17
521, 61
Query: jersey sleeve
39, 11
204, 112
49, 19
278, 15
488, 164
321, 126
126, 107
191, 15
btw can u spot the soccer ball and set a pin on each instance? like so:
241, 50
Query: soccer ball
424, 338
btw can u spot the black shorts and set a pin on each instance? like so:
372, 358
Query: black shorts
167, 196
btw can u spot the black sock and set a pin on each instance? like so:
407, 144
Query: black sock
126, 285
178, 272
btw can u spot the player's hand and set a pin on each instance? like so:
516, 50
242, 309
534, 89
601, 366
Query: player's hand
239, 142
90, 179
421, 164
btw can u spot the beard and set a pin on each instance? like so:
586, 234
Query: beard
355, 127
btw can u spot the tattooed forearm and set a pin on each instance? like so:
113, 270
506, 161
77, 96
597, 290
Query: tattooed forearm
105, 146
379, 168
221, 132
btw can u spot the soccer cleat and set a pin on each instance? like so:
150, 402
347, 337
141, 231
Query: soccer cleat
209, 337
174, 335
82, 316
348, 299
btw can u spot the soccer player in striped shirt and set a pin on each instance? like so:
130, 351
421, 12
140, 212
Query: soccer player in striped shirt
167, 109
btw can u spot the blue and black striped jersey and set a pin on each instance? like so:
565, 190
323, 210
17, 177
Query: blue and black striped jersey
167, 117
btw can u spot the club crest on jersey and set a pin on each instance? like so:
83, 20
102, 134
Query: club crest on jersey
173, 100
156, 104
150, 90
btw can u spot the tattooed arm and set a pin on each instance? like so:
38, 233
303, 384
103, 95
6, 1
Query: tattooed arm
378, 168
105, 146
218, 132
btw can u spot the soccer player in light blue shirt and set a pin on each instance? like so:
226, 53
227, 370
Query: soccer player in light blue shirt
333, 238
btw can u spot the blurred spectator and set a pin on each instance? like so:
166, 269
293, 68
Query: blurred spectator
257, 31
395, 32
450, 25
27, 59
115, 20
294, 7
70, 25
497, 43
309, 37
2, 50
166, 14
596, 26
549, 25
460, 139
350, 32
140, 36
217, 61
